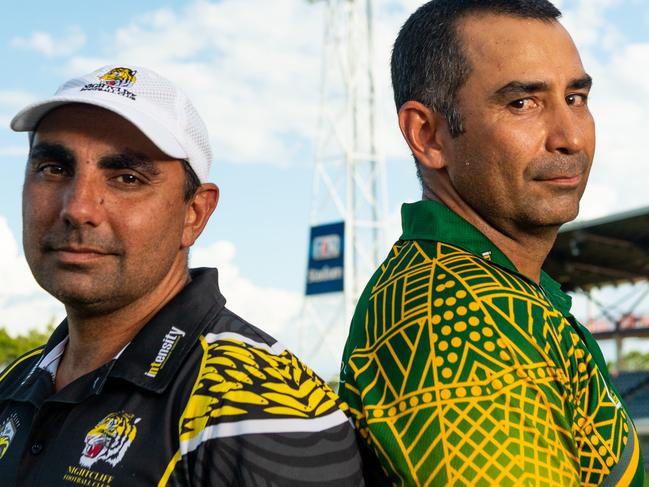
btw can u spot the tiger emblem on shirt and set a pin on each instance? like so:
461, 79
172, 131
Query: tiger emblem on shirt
109, 439
119, 77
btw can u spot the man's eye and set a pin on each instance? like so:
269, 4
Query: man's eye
523, 104
52, 169
577, 99
128, 179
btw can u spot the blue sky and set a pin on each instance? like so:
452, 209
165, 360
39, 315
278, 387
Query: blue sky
252, 67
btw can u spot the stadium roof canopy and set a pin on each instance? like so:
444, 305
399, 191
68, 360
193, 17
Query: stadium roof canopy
606, 251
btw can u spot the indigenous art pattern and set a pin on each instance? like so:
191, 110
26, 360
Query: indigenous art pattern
465, 374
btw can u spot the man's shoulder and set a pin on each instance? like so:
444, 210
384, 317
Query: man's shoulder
426, 279
412, 262
16, 370
249, 383
256, 377
406, 254
229, 323
255, 402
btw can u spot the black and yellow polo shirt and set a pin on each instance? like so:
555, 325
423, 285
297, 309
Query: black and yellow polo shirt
199, 397
461, 371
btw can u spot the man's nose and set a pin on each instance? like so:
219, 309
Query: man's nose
83, 202
570, 129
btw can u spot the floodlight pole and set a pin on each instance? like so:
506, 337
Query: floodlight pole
349, 177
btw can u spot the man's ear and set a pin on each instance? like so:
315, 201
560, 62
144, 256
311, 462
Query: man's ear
424, 131
199, 209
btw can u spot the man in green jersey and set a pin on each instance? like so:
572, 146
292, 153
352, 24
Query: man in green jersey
464, 365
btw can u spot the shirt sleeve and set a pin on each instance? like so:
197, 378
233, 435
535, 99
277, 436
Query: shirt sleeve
258, 416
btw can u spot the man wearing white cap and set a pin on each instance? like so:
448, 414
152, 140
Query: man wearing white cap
149, 380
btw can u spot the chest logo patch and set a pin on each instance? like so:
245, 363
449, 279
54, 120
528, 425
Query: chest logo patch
109, 439
7, 433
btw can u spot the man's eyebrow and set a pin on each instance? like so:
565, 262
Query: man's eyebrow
517, 88
583, 83
51, 151
129, 160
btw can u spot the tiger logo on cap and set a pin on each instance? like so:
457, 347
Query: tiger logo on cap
119, 77
109, 439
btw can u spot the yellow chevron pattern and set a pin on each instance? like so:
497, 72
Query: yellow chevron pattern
239, 381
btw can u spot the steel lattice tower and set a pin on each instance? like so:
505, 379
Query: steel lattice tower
349, 177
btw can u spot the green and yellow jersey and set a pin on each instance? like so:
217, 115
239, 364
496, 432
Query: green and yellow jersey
461, 371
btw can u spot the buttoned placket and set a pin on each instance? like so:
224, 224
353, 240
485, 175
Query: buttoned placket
51, 412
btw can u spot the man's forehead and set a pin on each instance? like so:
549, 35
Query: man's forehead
506, 45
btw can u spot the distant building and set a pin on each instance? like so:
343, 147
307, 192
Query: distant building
605, 253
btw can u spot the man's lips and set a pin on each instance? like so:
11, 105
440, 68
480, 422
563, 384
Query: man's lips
561, 171
78, 254
567, 180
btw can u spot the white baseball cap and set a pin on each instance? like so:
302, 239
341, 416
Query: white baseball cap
161, 111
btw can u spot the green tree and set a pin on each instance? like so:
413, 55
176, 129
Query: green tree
635, 360
631, 361
13, 347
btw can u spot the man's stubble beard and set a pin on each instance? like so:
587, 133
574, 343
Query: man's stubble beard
102, 291
528, 214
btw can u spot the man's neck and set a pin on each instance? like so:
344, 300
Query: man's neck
95, 339
526, 250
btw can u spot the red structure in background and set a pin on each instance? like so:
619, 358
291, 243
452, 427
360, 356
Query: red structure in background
632, 324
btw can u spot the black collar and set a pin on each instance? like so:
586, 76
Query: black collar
171, 333
153, 357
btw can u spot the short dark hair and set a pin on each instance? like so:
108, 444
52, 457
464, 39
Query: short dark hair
192, 182
428, 63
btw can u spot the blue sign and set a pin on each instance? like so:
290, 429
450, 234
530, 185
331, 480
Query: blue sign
326, 268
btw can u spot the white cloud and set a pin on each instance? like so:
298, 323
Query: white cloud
597, 201
271, 309
18, 151
15, 98
590, 26
255, 81
23, 304
13, 268
11, 101
44, 43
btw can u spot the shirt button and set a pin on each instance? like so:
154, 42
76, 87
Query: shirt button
37, 448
